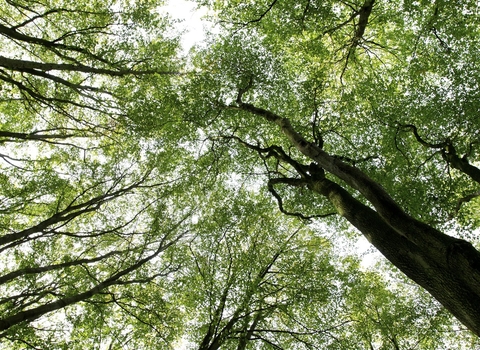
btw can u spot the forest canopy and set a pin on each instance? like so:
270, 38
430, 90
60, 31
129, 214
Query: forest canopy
161, 197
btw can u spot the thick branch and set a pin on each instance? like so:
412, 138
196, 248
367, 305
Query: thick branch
449, 154
461, 164
248, 333
386, 207
12, 33
34, 136
466, 199
364, 13
31, 66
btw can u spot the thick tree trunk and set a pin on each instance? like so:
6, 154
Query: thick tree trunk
450, 274
447, 267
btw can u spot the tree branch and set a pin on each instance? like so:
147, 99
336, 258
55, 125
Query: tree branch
32, 67
449, 154
32, 314
295, 183
256, 20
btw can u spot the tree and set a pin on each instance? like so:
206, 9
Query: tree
149, 199
361, 120
86, 211
245, 290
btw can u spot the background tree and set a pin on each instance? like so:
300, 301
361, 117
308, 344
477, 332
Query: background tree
266, 282
87, 213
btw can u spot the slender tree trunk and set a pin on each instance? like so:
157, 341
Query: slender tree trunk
36, 312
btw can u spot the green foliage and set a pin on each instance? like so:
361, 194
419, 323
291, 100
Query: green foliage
136, 211
361, 95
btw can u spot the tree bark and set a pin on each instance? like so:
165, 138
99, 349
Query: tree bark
447, 267
450, 275
31, 66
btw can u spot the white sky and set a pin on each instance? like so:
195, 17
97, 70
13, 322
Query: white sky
191, 24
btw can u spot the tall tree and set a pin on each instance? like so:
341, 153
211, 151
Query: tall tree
245, 290
370, 108
87, 213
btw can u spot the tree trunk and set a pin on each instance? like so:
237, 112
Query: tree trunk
447, 267
450, 274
